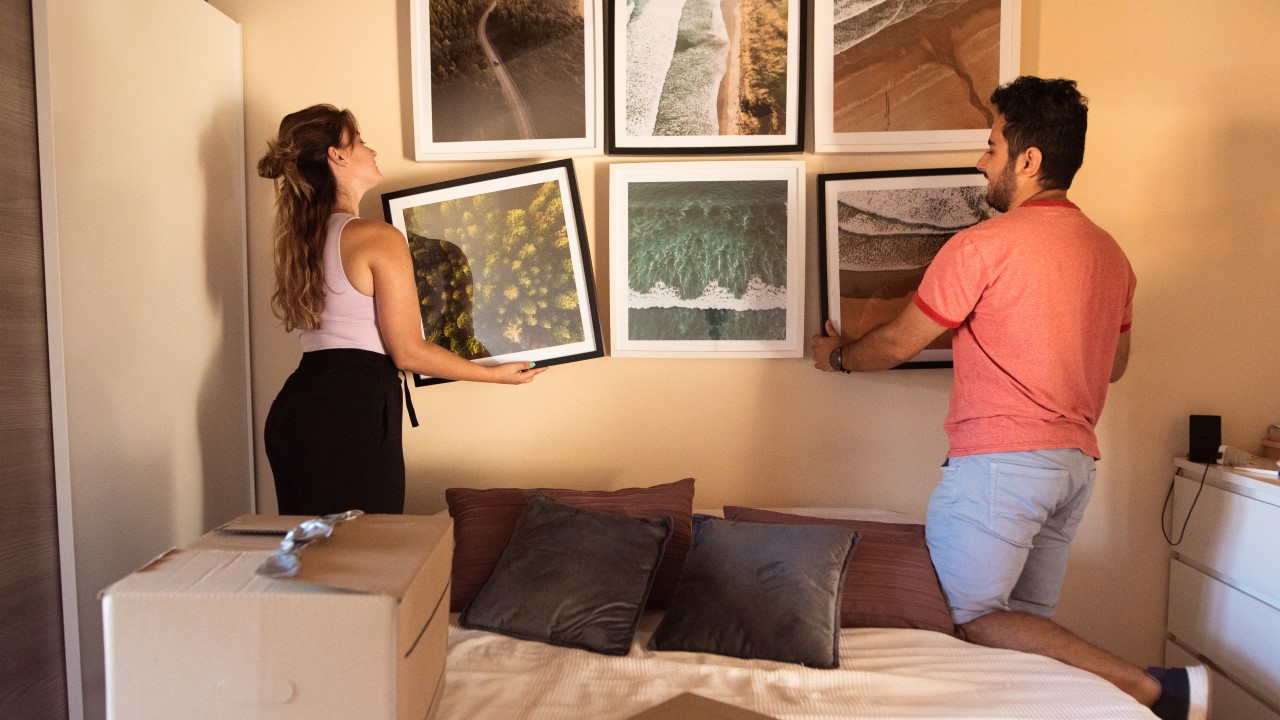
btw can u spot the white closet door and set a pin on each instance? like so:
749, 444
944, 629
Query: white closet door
142, 173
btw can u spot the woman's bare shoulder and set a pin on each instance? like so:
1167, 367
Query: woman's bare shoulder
373, 235
366, 228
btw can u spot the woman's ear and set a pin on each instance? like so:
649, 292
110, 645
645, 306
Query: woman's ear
335, 155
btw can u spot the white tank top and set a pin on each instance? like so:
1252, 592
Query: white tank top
348, 320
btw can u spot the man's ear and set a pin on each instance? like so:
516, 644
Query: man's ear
1029, 163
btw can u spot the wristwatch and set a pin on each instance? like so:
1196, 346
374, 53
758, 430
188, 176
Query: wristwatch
836, 361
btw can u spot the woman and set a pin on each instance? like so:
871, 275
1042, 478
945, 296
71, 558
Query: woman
347, 286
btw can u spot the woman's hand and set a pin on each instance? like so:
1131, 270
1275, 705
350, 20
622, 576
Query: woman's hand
516, 373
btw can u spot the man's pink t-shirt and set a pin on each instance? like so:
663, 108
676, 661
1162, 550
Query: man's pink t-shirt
1038, 298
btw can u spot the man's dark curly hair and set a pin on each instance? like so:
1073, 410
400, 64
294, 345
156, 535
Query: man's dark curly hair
1050, 115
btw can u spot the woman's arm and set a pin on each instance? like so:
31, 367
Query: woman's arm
383, 250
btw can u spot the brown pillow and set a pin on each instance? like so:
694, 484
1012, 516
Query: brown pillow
483, 521
890, 581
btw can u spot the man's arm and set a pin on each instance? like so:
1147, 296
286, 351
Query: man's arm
887, 346
1121, 361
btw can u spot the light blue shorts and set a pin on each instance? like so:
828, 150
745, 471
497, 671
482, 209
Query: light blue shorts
1000, 525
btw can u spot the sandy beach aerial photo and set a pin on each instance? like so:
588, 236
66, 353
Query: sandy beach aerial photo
706, 67
911, 65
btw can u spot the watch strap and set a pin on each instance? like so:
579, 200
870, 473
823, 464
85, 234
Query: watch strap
837, 360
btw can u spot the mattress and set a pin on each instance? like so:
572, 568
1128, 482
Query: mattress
883, 673
897, 671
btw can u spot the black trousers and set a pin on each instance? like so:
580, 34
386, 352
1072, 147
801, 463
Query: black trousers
333, 435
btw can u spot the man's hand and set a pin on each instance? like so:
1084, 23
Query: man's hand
884, 347
823, 345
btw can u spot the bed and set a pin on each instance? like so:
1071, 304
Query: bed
880, 646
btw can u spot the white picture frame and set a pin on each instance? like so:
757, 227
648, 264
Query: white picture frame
707, 259
896, 88
511, 95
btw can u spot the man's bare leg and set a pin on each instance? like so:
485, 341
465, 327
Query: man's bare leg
1031, 633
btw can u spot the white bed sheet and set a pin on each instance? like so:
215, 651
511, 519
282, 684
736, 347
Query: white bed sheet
885, 516
884, 673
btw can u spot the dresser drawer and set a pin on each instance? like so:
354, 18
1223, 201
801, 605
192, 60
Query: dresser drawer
1238, 633
1226, 699
1234, 537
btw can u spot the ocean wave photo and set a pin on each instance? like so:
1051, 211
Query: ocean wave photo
651, 44
903, 229
707, 260
689, 102
857, 20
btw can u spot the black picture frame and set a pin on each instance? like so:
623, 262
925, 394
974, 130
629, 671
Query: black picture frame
502, 265
877, 233
676, 100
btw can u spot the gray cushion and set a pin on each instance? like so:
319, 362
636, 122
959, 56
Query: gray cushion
891, 582
764, 591
483, 520
571, 577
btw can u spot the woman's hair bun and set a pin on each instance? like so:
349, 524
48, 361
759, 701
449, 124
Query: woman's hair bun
275, 163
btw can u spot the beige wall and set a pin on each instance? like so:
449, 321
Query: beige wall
1182, 166
1182, 158
141, 136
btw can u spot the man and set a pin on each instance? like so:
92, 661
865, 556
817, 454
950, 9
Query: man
1041, 301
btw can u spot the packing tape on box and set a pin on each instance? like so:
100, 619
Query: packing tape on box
285, 562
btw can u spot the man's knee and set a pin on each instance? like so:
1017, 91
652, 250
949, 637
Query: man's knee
1011, 629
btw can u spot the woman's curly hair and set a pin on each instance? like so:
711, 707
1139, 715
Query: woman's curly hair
306, 192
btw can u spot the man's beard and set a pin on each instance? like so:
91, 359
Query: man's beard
1000, 193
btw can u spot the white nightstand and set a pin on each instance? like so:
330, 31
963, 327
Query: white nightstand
1224, 587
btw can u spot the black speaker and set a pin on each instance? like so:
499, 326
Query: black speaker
1205, 437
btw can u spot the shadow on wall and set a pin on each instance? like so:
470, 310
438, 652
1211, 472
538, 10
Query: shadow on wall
404, 41
1206, 315
224, 420
1194, 207
873, 440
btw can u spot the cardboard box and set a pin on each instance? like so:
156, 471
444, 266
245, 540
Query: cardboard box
688, 706
360, 632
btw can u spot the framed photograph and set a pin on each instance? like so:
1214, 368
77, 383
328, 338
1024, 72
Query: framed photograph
705, 76
877, 234
505, 80
707, 259
502, 265
894, 76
